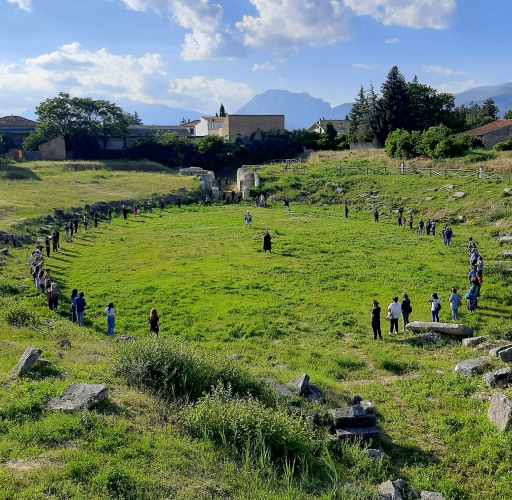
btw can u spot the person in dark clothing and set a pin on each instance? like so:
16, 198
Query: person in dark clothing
80, 305
179, 203
154, 322
74, 295
346, 210
421, 227
411, 223
429, 227
109, 216
125, 212
56, 240
267, 242
406, 309
286, 203
47, 245
377, 333
376, 215
96, 219
77, 223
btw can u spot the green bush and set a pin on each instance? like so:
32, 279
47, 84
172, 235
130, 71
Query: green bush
250, 428
81, 470
431, 138
27, 401
390, 363
504, 146
403, 144
8, 288
175, 371
116, 483
19, 314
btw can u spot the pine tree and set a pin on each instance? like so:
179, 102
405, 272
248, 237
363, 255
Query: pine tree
394, 104
222, 111
490, 111
355, 116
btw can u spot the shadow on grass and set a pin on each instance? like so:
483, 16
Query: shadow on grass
12, 172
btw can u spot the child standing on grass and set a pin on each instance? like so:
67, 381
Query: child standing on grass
377, 334
154, 322
111, 319
406, 309
394, 312
455, 302
435, 307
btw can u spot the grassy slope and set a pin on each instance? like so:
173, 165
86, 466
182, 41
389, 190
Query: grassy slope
34, 189
303, 309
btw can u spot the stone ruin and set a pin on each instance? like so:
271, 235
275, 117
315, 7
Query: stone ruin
207, 181
247, 178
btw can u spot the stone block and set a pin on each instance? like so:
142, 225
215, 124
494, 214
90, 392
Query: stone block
79, 397
470, 367
473, 341
500, 412
27, 361
449, 329
499, 378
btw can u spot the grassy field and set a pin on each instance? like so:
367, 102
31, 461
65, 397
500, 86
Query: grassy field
303, 309
34, 189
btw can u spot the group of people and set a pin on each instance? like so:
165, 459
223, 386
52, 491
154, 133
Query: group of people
475, 275
42, 279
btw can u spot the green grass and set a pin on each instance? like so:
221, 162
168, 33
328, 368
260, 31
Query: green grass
305, 308
35, 189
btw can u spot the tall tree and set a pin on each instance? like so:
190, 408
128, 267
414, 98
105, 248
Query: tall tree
490, 111
508, 115
394, 104
222, 111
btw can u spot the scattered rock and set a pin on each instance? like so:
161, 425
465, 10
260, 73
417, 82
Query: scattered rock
504, 353
431, 495
24, 465
393, 490
282, 390
507, 255
79, 397
234, 357
499, 378
425, 339
27, 361
460, 218
458, 195
473, 341
500, 412
505, 239
375, 454
125, 338
470, 367
65, 344
357, 433
450, 329
353, 416
449, 187
307, 390
429, 198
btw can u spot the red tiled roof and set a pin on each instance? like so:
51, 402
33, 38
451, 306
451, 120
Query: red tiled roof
16, 122
490, 127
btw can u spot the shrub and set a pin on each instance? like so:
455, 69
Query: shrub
431, 138
8, 288
389, 363
19, 314
249, 428
403, 144
175, 371
27, 401
82, 469
117, 483
504, 146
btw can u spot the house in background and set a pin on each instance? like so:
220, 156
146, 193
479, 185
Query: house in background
191, 127
493, 133
320, 127
233, 126
137, 133
16, 128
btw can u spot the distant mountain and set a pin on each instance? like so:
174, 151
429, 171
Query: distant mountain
154, 114
301, 110
502, 95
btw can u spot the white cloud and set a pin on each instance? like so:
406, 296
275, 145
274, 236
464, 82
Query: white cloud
392, 41
433, 14
22, 4
365, 67
102, 74
265, 66
289, 23
443, 71
201, 93
206, 36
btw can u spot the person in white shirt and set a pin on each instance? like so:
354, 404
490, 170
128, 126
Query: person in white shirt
436, 307
394, 312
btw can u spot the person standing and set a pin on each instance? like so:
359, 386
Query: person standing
376, 215
377, 333
421, 227
53, 296
56, 240
74, 295
47, 245
154, 322
406, 309
455, 302
411, 222
110, 311
435, 307
80, 305
248, 219
346, 210
394, 312
96, 219
267, 242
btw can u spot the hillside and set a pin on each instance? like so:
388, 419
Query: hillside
229, 312
502, 95
32, 190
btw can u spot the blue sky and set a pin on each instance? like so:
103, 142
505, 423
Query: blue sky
193, 54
